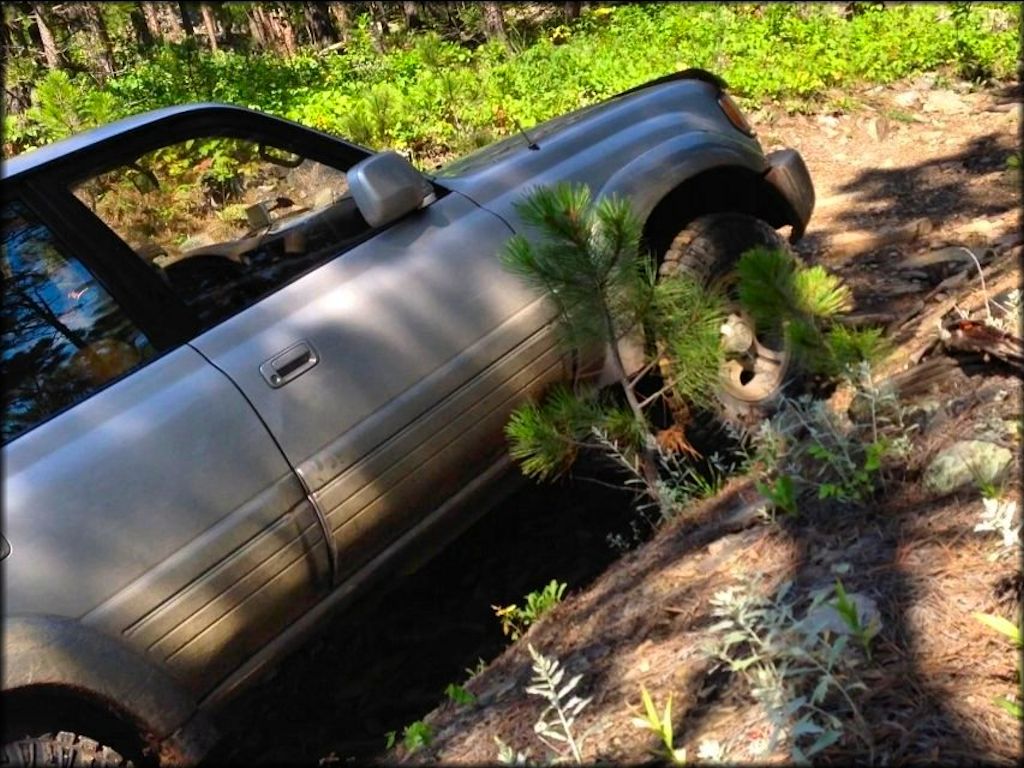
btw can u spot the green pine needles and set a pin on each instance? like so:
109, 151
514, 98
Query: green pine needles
777, 290
588, 261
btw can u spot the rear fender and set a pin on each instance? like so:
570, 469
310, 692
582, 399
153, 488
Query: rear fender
50, 652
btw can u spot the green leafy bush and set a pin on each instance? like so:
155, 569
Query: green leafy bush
445, 93
515, 620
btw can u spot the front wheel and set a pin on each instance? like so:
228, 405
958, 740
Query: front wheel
62, 748
758, 359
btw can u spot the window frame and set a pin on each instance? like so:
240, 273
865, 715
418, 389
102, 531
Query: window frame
150, 303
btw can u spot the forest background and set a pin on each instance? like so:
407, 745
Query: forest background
436, 79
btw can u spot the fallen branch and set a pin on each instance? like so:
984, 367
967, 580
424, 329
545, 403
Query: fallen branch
972, 336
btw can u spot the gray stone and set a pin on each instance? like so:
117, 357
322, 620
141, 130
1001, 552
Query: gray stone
878, 128
825, 617
965, 463
907, 98
945, 103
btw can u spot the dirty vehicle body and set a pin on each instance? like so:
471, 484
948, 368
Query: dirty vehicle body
212, 442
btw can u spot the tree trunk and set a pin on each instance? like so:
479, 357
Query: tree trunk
380, 29
186, 21
94, 15
321, 26
211, 27
266, 28
571, 9
256, 29
339, 11
226, 20
494, 22
50, 52
284, 33
151, 21
143, 33
412, 14
170, 16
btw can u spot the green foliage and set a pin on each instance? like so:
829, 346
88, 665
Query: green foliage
515, 620
661, 725
781, 492
776, 288
459, 695
773, 284
688, 317
545, 438
845, 348
851, 616
1012, 632
587, 261
444, 92
415, 736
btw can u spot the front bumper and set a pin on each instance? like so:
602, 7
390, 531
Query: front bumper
788, 176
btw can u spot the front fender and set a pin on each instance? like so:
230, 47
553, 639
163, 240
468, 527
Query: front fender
51, 651
650, 176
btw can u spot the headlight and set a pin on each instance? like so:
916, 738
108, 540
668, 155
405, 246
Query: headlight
732, 111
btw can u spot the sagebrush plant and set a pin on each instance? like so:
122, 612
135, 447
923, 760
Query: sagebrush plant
808, 446
798, 668
555, 725
998, 516
515, 620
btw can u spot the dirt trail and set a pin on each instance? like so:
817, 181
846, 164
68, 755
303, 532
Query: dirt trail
914, 170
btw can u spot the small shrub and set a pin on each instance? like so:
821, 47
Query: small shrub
459, 695
415, 736
515, 620
803, 674
660, 725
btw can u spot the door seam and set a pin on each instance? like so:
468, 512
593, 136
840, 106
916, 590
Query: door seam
318, 512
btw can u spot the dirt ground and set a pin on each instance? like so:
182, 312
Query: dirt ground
906, 172
910, 171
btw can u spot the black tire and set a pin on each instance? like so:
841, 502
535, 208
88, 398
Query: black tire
753, 381
62, 748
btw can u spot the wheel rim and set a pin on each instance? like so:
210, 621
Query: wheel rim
756, 362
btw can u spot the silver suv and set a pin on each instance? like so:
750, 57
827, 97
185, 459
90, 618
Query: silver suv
251, 369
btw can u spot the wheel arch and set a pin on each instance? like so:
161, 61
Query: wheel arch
720, 189
58, 661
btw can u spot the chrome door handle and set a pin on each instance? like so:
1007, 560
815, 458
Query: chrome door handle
289, 364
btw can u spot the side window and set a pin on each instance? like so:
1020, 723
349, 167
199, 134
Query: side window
226, 221
63, 335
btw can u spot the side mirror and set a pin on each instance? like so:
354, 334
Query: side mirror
386, 187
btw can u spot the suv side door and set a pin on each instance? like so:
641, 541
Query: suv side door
384, 361
143, 496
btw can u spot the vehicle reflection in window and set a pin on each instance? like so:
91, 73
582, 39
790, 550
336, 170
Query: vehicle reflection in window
226, 221
64, 337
